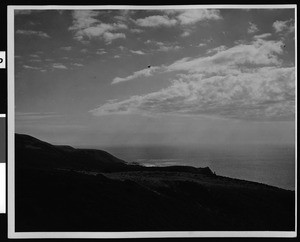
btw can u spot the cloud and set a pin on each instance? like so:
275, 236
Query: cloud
169, 48
201, 44
246, 81
83, 19
262, 36
137, 31
21, 116
258, 53
217, 49
141, 73
252, 28
124, 15
77, 64
266, 94
109, 37
35, 60
34, 56
59, 66
155, 21
287, 26
137, 52
255, 54
66, 48
160, 46
101, 52
181, 17
40, 34
205, 42
186, 33
192, 16
86, 27
31, 67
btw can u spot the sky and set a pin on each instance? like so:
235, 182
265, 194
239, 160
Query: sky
156, 77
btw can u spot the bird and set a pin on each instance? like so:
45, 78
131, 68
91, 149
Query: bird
149, 66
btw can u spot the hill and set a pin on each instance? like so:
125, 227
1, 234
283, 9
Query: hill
60, 188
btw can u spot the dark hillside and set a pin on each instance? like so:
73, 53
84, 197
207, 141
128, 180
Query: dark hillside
60, 188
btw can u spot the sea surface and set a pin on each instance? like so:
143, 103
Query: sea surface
269, 164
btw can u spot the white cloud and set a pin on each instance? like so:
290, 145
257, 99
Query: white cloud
155, 21
284, 26
169, 48
201, 45
205, 42
217, 49
262, 36
246, 81
40, 34
66, 48
192, 16
141, 73
137, 52
252, 28
83, 19
77, 64
186, 34
109, 37
258, 53
59, 66
182, 17
101, 52
86, 26
265, 94
31, 67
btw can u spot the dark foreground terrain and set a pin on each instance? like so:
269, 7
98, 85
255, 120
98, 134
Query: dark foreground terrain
60, 188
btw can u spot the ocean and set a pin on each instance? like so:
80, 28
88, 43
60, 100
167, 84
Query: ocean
270, 164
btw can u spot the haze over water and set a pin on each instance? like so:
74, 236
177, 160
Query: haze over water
270, 164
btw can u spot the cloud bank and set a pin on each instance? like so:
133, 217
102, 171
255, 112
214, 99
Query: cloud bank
246, 81
86, 27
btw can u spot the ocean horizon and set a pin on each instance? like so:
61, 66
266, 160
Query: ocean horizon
268, 163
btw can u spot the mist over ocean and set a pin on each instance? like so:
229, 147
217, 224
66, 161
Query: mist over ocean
270, 164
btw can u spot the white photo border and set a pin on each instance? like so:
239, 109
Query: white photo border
11, 133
